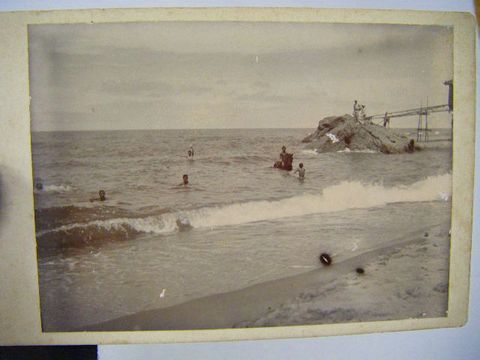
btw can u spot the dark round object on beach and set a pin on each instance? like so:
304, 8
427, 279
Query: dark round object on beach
360, 270
325, 259
426, 234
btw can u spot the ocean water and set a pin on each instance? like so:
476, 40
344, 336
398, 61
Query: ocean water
249, 223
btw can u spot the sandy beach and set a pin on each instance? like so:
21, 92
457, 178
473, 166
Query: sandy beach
421, 262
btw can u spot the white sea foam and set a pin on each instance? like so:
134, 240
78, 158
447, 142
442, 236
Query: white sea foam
158, 225
333, 138
310, 152
56, 188
343, 196
366, 151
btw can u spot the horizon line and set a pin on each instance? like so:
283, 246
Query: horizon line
172, 129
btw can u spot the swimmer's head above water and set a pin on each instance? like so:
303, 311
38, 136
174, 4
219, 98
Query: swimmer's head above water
185, 179
101, 194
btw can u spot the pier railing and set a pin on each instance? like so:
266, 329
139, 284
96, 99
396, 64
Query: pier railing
422, 112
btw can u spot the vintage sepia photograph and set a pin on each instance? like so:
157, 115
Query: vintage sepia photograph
226, 174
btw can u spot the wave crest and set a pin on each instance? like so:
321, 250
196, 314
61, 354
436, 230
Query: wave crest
343, 196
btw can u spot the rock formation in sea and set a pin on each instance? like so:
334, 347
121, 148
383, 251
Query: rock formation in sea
337, 133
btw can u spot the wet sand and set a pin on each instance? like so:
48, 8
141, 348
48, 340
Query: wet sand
406, 280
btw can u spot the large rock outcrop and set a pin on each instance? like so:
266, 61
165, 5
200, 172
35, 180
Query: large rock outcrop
337, 133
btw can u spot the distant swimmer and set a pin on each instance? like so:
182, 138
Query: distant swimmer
187, 185
39, 186
101, 196
191, 152
185, 180
301, 171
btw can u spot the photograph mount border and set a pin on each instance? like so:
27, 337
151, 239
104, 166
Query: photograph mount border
19, 303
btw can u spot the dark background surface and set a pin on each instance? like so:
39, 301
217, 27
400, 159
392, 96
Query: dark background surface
88, 352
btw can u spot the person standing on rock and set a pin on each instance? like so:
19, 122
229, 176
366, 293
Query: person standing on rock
411, 146
363, 114
356, 110
386, 120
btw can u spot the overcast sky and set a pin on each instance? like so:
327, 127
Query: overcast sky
172, 75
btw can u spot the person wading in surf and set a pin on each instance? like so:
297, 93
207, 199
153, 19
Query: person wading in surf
190, 152
282, 155
301, 171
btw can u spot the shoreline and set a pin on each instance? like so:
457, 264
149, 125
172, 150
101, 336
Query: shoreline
287, 301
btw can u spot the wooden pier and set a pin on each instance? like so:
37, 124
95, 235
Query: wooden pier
422, 112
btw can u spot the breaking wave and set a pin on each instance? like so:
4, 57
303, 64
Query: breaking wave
343, 196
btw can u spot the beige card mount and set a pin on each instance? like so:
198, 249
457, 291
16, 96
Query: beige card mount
372, 233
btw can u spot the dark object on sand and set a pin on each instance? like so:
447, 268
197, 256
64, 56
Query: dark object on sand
360, 270
325, 259
39, 186
286, 164
426, 234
